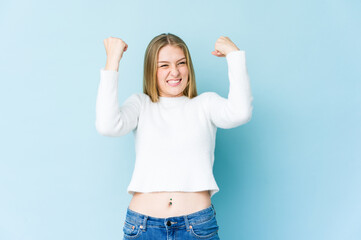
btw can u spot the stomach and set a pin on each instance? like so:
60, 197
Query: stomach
156, 204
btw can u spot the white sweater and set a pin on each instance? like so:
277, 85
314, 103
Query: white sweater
175, 137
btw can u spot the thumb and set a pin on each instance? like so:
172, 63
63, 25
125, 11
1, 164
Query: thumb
217, 53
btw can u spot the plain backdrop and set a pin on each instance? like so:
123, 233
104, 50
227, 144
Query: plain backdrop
292, 172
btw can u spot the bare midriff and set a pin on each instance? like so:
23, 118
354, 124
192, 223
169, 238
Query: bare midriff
157, 204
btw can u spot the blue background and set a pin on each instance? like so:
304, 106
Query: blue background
292, 172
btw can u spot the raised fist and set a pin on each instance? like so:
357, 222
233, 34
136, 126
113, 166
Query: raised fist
114, 48
223, 46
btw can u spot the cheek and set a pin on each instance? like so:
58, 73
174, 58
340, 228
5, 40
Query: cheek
161, 75
184, 72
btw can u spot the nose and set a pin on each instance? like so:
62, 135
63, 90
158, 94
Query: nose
174, 72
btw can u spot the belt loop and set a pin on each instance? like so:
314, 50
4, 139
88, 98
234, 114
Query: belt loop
214, 209
145, 222
186, 222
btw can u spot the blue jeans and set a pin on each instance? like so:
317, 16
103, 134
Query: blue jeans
197, 225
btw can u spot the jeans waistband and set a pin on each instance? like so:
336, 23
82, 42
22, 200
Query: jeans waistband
190, 219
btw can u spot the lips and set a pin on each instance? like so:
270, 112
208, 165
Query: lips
174, 82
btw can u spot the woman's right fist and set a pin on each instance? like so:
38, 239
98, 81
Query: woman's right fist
114, 48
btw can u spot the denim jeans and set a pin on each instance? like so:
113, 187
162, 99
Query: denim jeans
197, 225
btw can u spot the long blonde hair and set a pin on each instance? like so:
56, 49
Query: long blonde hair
150, 65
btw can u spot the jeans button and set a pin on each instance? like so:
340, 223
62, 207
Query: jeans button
169, 223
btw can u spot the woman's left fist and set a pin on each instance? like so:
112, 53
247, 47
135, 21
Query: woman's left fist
223, 46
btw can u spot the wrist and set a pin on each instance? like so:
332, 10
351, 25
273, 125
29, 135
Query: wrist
232, 50
111, 65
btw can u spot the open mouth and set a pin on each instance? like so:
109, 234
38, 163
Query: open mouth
174, 82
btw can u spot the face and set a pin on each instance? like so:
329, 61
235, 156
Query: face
172, 71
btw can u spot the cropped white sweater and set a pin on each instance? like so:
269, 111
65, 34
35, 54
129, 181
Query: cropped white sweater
175, 137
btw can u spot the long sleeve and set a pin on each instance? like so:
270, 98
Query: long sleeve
112, 119
237, 109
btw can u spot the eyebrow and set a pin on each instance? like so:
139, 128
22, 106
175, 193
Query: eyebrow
167, 61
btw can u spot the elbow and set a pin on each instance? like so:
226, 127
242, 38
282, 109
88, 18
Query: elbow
249, 115
247, 118
244, 117
244, 120
105, 130
102, 130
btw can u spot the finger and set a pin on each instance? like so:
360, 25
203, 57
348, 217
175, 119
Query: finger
219, 54
215, 54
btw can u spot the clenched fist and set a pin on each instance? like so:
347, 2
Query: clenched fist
114, 47
223, 46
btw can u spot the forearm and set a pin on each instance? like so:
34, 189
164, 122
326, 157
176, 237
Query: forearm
107, 106
112, 65
239, 96
113, 119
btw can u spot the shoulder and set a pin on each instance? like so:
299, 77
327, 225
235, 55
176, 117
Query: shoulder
208, 96
139, 98
207, 99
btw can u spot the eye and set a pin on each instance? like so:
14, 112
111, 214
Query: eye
164, 65
182, 62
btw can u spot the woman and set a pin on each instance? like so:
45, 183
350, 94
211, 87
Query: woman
175, 130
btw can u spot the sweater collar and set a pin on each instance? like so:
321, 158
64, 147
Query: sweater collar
172, 100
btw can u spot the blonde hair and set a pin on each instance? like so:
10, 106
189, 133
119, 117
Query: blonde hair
150, 65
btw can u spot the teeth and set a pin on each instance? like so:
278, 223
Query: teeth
173, 81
